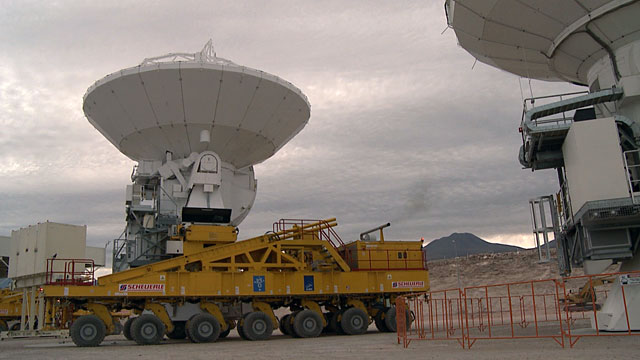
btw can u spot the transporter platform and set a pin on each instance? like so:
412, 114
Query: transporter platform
220, 283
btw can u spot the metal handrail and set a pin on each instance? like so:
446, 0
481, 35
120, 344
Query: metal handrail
71, 275
324, 229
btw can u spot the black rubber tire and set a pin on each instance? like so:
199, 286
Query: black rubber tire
334, 323
15, 327
257, 326
3, 326
327, 318
88, 331
179, 332
126, 330
241, 332
203, 328
289, 324
239, 328
307, 324
147, 330
283, 326
390, 319
117, 327
379, 320
186, 328
354, 321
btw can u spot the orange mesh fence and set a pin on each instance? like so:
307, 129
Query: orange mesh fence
437, 315
557, 309
512, 311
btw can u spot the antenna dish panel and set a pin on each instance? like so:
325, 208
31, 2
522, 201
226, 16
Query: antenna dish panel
165, 103
544, 39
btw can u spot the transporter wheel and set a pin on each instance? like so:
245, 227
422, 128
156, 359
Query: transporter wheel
240, 328
327, 318
379, 320
87, 330
307, 324
257, 326
203, 328
15, 327
147, 330
334, 324
354, 321
284, 327
3, 326
290, 328
390, 319
179, 331
126, 330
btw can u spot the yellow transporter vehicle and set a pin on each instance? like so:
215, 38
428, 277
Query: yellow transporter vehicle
10, 308
219, 284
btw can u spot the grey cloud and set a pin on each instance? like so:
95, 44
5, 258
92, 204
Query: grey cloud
401, 126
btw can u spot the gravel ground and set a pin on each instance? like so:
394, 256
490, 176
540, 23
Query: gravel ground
373, 345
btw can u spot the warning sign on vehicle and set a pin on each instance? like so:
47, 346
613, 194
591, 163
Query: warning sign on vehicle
141, 288
407, 284
630, 279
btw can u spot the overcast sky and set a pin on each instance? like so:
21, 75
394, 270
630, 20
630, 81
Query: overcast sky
404, 128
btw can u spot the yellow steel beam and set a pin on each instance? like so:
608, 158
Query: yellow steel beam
210, 254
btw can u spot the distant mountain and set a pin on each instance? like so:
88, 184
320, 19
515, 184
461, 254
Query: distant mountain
465, 244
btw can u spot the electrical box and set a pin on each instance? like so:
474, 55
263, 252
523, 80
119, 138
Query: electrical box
593, 162
174, 247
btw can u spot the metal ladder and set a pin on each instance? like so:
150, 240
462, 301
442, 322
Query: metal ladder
542, 212
633, 172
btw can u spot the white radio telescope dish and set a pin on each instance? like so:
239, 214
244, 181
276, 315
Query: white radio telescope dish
167, 103
557, 40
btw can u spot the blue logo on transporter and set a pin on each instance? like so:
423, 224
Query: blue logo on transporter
258, 283
308, 283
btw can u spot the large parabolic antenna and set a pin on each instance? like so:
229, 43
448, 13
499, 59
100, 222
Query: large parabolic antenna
196, 124
545, 39
595, 217
165, 103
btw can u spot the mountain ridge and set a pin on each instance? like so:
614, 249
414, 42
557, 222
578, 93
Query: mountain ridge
463, 244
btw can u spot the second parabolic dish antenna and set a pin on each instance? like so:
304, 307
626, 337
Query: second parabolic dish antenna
167, 103
542, 39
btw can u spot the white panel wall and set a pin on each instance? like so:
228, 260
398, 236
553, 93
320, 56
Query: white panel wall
593, 162
97, 254
33, 245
